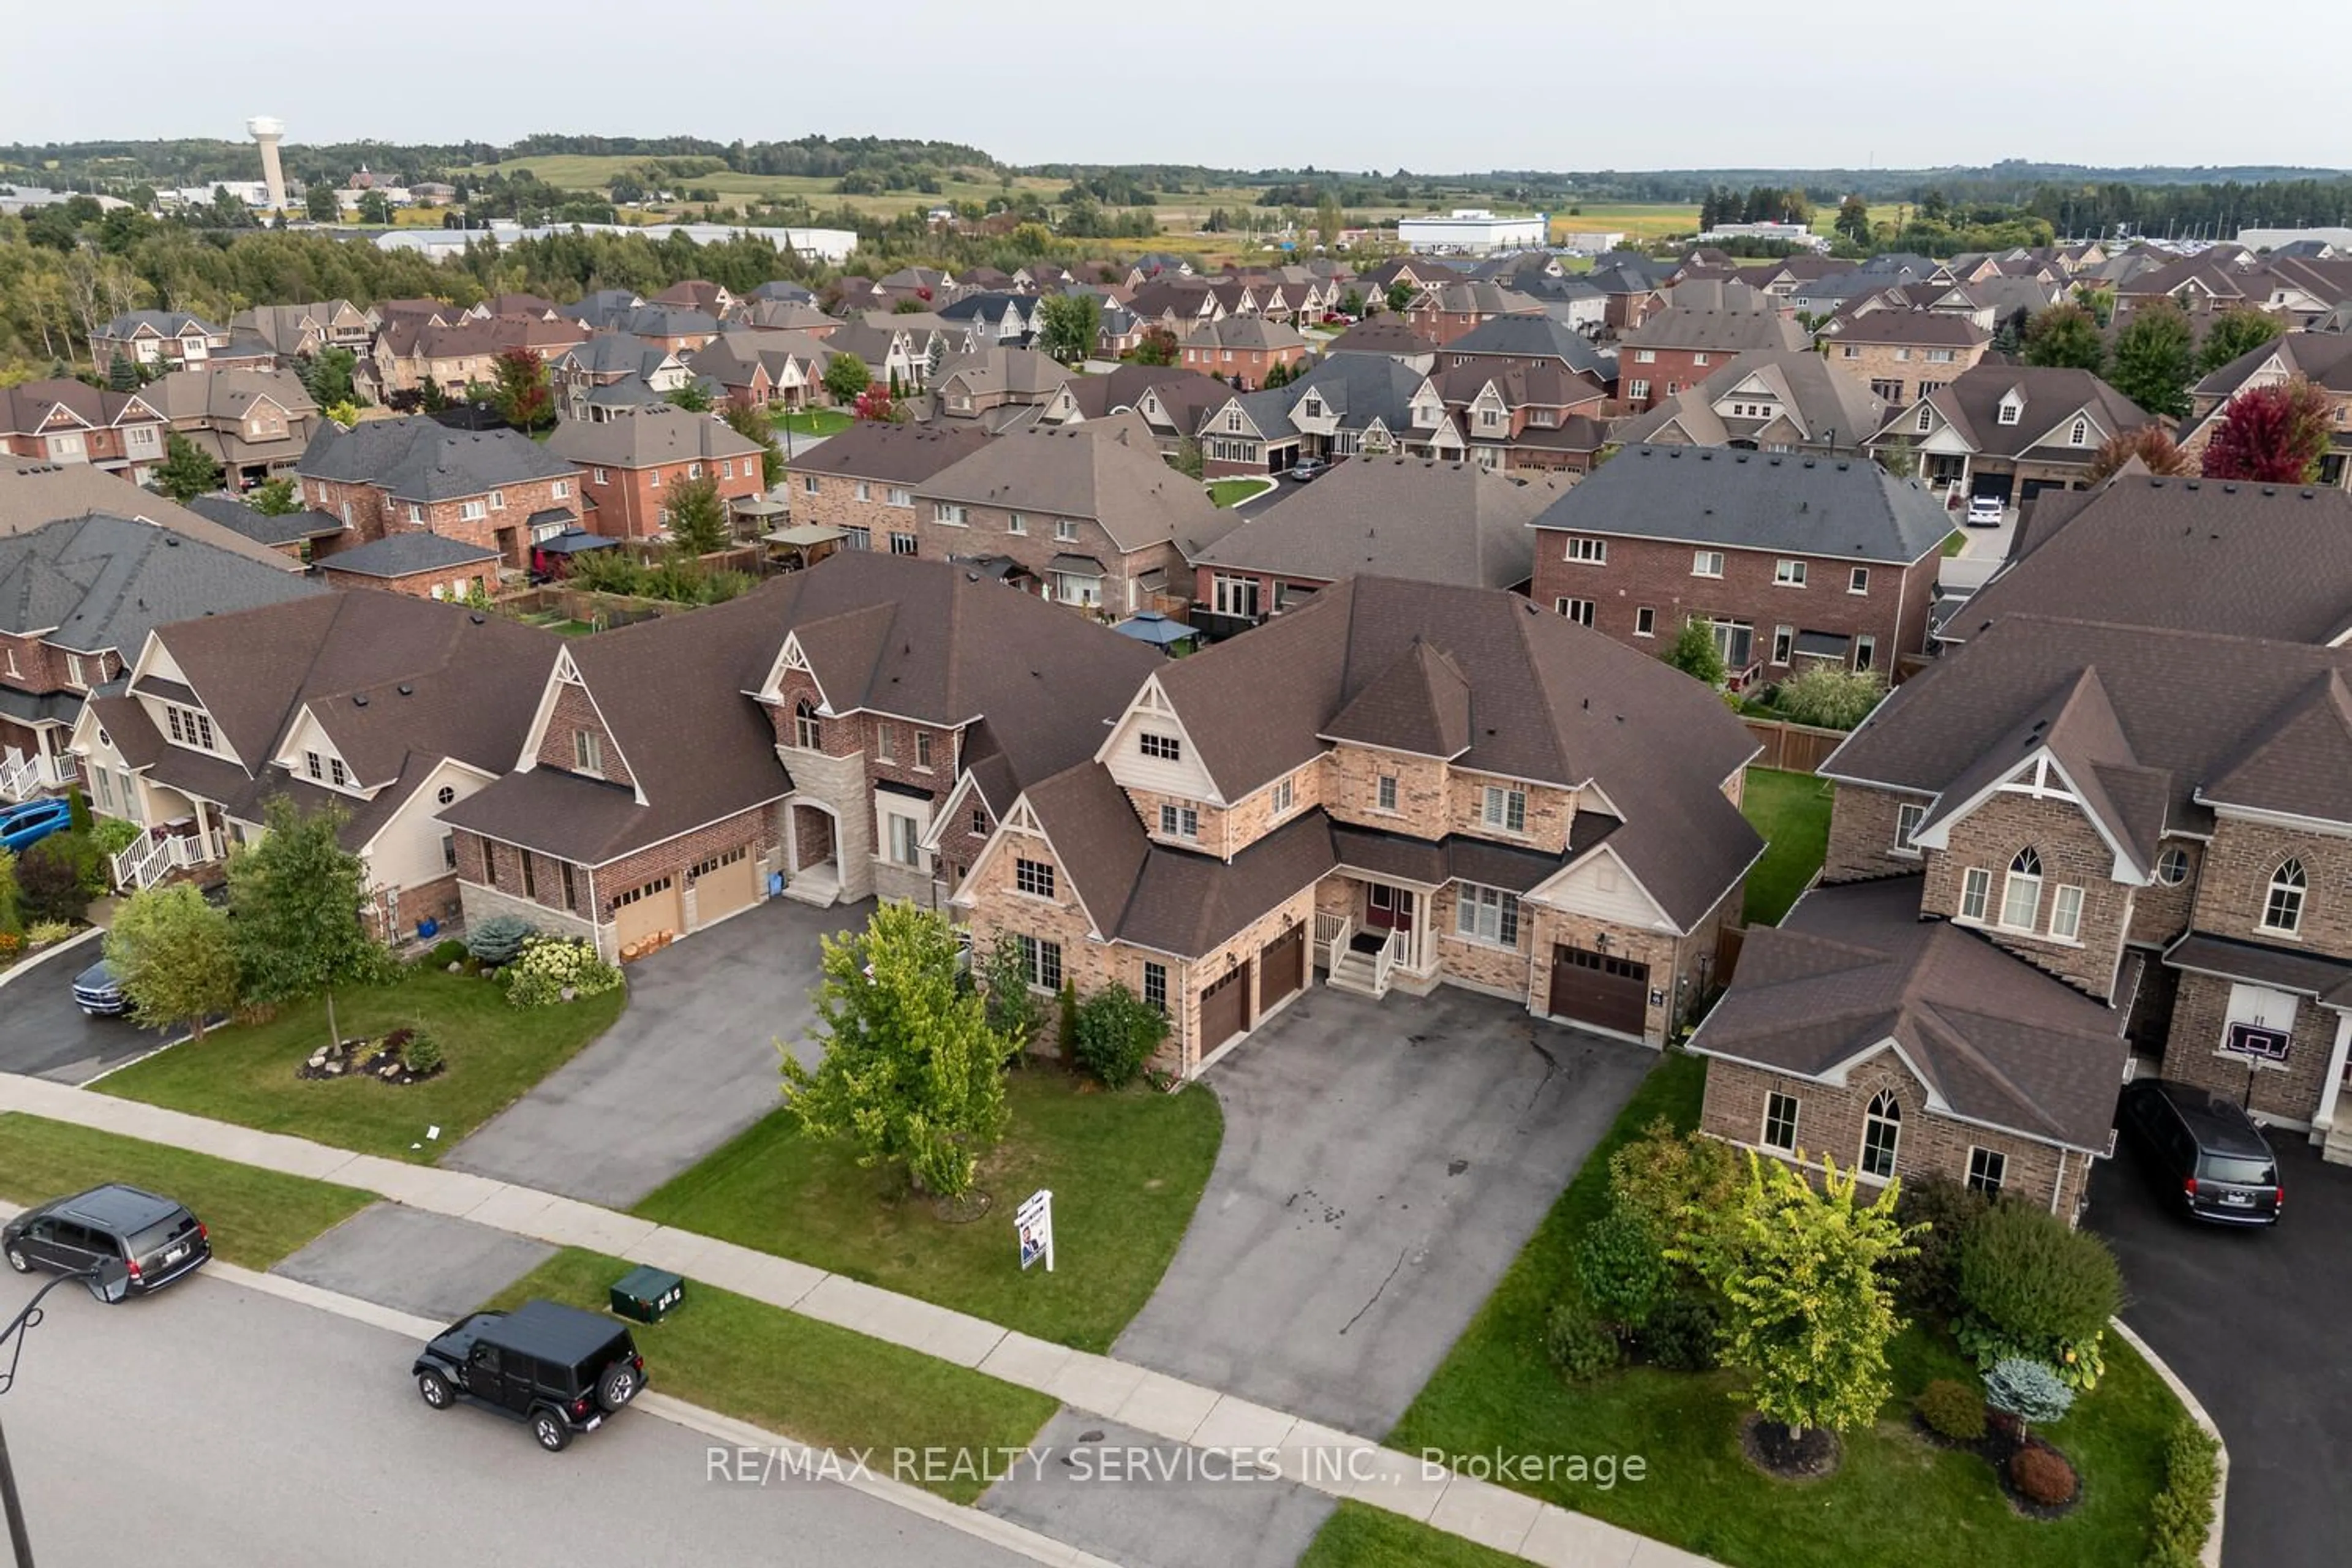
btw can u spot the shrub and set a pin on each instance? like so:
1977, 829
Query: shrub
1929, 1280
1066, 1021
1952, 1410
2182, 1513
2027, 1390
10, 944
1682, 1333
2033, 1282
550, 964
423, 1053
499, 939
1832, 698
397, 1041
49, 882
1578, 1344
2078, 1364
113, 836
1620, 1264
11, 915
1675, 1181
445, 951
1116, 1033
46, 931
2042, 1476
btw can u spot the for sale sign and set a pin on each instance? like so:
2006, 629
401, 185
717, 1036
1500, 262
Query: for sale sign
1033, 1221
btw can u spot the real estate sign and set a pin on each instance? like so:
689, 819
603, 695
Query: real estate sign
1034, 1222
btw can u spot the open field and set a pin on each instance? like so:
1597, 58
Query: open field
1640, 220
594, 171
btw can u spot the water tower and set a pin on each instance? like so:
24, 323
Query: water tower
269, 132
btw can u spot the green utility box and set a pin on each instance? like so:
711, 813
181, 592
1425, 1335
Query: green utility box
648, 1295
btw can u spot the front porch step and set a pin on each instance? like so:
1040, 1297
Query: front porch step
1356, 971
821, 887
2337, 1148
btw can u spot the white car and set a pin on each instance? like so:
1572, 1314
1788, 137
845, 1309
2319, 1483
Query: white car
1985, 511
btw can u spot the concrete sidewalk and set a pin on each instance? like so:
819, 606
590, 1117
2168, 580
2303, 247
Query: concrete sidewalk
1334, 1463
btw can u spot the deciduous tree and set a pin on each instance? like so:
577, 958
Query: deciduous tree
696, 516
1070, 325
912, 1073
754, 425
1854, 219
2065, 335
2152, 443
276, 497
692, 396
2275, 434
845, 377
1694, 654
2156, 359
2240, 330
186, 471
297, 897
174, 956
1158, 347
523, 397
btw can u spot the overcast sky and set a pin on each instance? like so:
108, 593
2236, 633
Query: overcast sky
1704, 84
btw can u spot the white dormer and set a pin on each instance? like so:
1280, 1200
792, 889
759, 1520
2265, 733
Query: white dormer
2013, 406
309, 753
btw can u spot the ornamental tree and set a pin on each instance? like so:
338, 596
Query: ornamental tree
2273, 435
2066, 335
297, 897
2156, 359
846, 377
912, 1073
696, 516
523, 397
276, 497
1808, 1312
2154, 447
1694, 654
1070, 325
174, 956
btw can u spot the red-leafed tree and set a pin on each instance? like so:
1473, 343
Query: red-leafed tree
2152, 443
525, 399
2273, 434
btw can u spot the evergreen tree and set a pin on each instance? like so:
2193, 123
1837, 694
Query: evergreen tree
121, 375
696, 516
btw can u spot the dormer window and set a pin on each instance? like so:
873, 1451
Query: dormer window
808, 731
588, 752
2012, 409
1312, 405
189, 726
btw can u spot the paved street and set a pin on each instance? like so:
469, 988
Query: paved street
215, 1425
1383, 1163
691, 1063
43, 1033
2251, 1322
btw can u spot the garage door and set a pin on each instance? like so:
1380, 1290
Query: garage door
1598, 989
724, 884
1224, 1009
646, 910
1991, 484
1282, 967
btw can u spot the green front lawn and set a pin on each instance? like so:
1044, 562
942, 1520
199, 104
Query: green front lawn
255, 1216
1896, 1499
1792, 812
1126, 1170
827, 1386
1362, 1536
1232, 492
245, 1073
1955, 541
814, 421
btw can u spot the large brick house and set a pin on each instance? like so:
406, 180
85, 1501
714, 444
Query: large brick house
1904, 355
495, 489
1346, 405
64, 421
811, 731
254, 423
1788, 560
2008, 430
78, 597
1242, 349
1771, 400
1404, 785
385, 708
414, 349
1684, 344
630, 466
159, 338
862, 481
1446, 312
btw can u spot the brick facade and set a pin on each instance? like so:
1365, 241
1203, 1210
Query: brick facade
988, 530
629, 502
1862, 834
496, 519
862, 506
2195, 1051
574, 714
450, 583
2072, 854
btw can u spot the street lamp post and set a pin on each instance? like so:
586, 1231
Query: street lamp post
20, 1546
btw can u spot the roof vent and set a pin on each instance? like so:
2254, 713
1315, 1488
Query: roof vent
2189, 484
2229, 489
2156, 483
171, 542
1809, 462
359, 699
1843, 467
405, 689
2269, 490
1707, 456
478, 618
2310, 495
1774, 461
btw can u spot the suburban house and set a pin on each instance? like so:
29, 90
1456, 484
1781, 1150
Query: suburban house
303, 330
1442, 312
1089, 519
902, 351
1526, 343
294, 536
862, 481
698, 294
1392, 335
1405, 784
386, 707
787, 316
850, 726
1541, 416
158, 338
1001, 319
1904, 355
423, 565
2323, 359
630, 466
613, 374
1413, 519
61, 421
490, 488
413, 350
254, 423
1681, 345
1344, 405
1787, 560
2011, 431
1001, 387
1769, 400
78, 597
761, 369
1242, 349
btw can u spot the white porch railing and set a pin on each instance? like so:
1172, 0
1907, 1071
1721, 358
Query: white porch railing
148, 859
1384, 960
22, 777
1332, 933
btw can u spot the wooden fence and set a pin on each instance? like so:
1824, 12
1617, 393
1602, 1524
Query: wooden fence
1799, 748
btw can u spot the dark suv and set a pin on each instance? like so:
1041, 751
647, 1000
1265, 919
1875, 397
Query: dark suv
130, 1239
2203, 1152
556, 1367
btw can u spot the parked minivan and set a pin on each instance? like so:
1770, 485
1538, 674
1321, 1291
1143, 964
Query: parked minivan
128, 1240
2203, 1152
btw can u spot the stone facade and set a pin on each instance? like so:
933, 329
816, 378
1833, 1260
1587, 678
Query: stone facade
2072, 854
2235, 886
1550, 811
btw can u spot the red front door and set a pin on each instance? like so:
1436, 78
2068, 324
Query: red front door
1388, 907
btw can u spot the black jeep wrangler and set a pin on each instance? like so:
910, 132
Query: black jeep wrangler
556, 1367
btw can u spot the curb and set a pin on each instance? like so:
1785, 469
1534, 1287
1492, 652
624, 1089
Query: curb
2211, 1556
23, 966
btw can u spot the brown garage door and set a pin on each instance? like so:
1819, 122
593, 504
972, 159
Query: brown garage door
1596, 988
724, 884
1282, 967
1224, 1009
643, 912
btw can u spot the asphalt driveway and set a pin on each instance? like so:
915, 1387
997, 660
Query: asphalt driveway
1383, 1163
691, 1063
43, 1034
2253, 1322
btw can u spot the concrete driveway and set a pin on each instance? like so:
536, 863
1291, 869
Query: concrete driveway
2253, 1322
1383, 1163
691, 1063
43, 1034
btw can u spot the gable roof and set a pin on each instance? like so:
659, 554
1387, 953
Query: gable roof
1412, 517
1071, 471
1530, 337
894, 454
406, 555
1722, 331
1994, 1041
1971, 403
417, 459
35, 494
1800, 384
97, 583
649, 437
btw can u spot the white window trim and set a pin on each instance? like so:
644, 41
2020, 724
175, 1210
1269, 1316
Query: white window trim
1916, 815
1699, 559
1788, 573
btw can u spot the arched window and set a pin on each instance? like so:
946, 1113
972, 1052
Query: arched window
807, 732
2173, 869
2079, 436
1881, 1129
2283, 911
2020, 895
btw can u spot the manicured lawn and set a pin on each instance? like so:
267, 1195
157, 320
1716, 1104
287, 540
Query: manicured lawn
1896, 1498
825, 1385
245, 1073
1362, 1536
255, 1216
1230, 492
1955, 543
1792, 812
1126, 1171
814, 421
